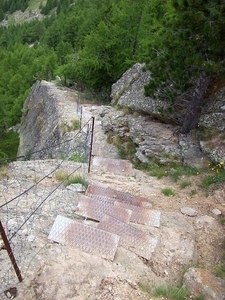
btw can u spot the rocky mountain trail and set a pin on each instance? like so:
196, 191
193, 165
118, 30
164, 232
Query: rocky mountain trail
63, 272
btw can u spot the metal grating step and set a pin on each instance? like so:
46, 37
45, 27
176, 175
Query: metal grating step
131, 238
87, 238
117, 195
95, 209
141, 215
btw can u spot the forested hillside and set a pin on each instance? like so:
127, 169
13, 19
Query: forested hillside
93, 42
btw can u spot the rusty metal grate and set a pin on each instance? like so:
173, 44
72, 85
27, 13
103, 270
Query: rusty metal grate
95, 208
141, 215
114, 165
87, 238
117, 195
131, 238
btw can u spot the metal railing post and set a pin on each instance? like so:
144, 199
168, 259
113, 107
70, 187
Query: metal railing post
10, 253
91, 143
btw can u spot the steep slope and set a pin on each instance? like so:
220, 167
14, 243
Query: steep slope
62, 272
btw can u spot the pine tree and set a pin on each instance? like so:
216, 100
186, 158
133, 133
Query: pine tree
186, 49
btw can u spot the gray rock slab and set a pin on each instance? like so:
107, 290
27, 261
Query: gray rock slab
188, 211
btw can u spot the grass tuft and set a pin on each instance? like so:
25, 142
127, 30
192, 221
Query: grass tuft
172, 292
76, 179
168, 191
76, 157
185, 184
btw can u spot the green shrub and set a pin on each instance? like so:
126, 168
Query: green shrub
222, 220
168, 292
75, 124
172, 292
218, 176
220, 271
185, 184
193, 192
77, 157
130, 148
158, 171
168, 191
76, 179
176, 173
121, 152
116, 140
3, 171
68, 128
9, 143
145, 287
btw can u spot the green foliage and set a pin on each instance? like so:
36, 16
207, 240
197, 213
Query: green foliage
9, 142
75, 124
168, 191
62, 175
168, 291
172, 292
145, 287
217, 177
68, 128
193, 192
222, 221
116, 140
76, 179
185, 41
220, 271
176, 173
121, 152
92, 43
11, 5
77, 157
185, 183
158, 171
3, 171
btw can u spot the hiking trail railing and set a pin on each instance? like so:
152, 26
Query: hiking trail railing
32, 193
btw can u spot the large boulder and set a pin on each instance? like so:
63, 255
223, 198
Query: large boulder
45, 131
128, 91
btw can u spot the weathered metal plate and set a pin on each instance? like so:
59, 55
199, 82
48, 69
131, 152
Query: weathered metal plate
95, 208
131, 238
113, 165
117, 195
141, 215
102, 198
87, 238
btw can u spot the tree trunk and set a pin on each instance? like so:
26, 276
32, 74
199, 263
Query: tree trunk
194, 108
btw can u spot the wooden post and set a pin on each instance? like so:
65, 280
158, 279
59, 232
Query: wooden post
10, 253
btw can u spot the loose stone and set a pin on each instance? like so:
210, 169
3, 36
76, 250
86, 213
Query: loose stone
188, 211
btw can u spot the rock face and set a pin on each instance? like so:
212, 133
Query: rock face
47, 123
129, 92
202, 282
39, 127
151, 140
